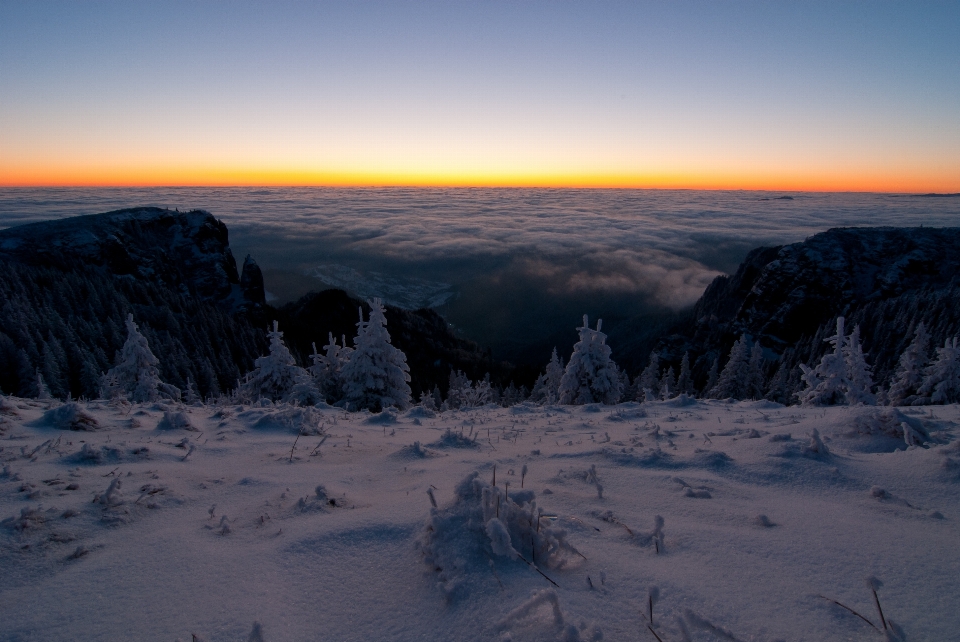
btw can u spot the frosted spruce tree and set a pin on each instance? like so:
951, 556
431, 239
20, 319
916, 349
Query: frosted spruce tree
843, 375
826, 385
685, 380
276, 375
859, 375
377, 375
328, 367
668, 384
135, 375
648, 389
546, 390
941, 379
908, 376
734, 380
591, 376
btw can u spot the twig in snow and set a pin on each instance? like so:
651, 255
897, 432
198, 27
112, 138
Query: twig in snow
299, 432
844, 606
112, 472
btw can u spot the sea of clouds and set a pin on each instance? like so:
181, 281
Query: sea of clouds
506, 266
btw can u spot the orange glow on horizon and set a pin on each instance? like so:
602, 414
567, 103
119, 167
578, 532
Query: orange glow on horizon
238, 177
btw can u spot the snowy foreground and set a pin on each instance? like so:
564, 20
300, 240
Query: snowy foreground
165, 522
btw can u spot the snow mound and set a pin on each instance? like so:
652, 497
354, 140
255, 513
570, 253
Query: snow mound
415, 451
304, 421
385, 417
420, 412
176, 420
89, 454
890, 422
541, 618
627, 412
70, 416
452, 439
483, 523
524, 408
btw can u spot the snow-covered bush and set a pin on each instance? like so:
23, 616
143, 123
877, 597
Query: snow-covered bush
377, 375
481, 523
135, 375
176, 420
277, 376
70, 416
591, 375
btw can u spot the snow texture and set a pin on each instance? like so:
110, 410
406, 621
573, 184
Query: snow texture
346, 532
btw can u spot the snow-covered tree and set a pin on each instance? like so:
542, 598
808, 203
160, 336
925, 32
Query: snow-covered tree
860, 379
649, 386
826, 384
377, 375
327, 368
43, 392
135, 374
941, 379
843, 375
547, 387
908, 376
591, 376
668, 384
734, 380
276, 374
755, 378
712, 377
685, 379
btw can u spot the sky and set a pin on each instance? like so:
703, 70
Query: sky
833, 96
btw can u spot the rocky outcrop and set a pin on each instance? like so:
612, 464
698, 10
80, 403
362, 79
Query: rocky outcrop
187, 251
784, 297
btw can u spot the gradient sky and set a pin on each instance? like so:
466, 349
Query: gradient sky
764, 95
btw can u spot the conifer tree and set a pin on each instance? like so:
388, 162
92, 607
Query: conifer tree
668, 384
685, 380
275, 374
135, 374
733, 381
649, 387
941, 379
377, 375
755, 379
860, 380
712, 377
908, 376
547, 387
826, 384
591, 376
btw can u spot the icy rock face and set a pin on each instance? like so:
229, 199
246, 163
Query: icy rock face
181, 249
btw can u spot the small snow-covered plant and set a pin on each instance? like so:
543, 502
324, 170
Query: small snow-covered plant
591, 375
135, 374
484, 522
377, 375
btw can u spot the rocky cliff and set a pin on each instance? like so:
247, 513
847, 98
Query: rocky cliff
187, 251
786, 297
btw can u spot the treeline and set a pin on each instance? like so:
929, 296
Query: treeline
69, 323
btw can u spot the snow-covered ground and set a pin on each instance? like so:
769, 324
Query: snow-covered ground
163, 522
